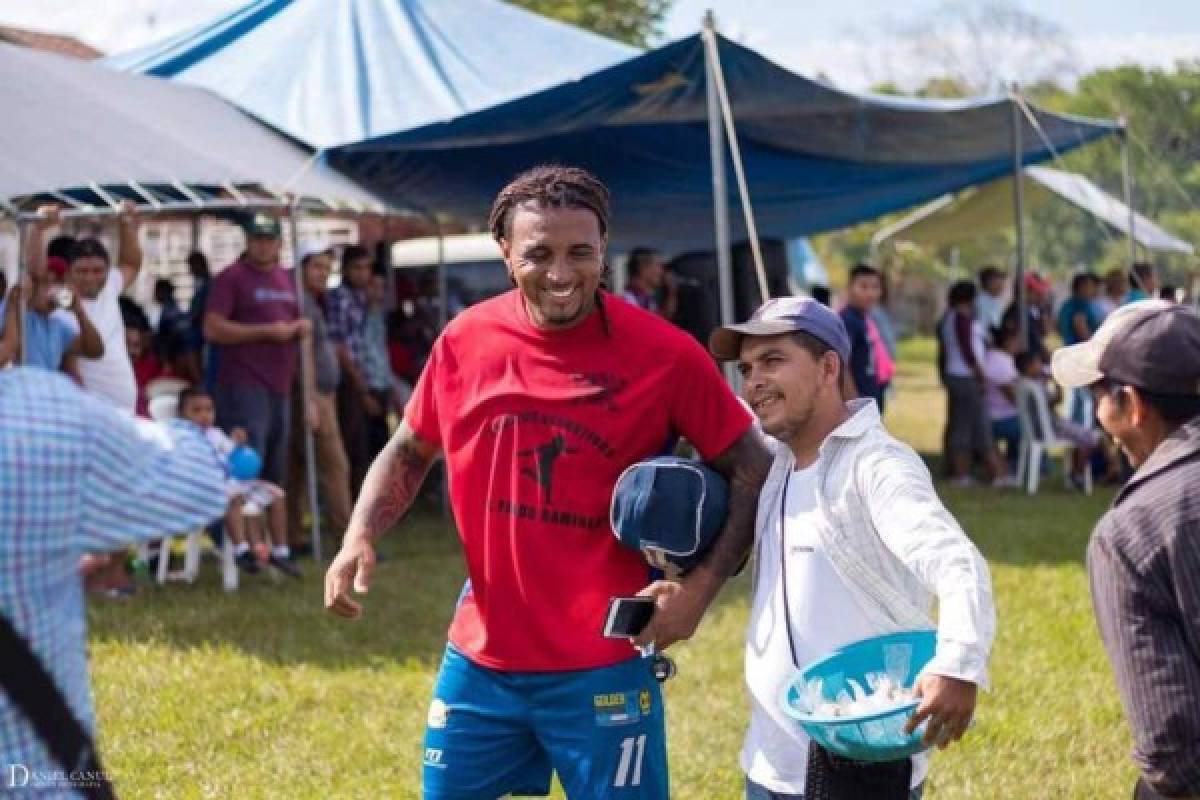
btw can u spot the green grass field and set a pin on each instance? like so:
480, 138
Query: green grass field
259, 694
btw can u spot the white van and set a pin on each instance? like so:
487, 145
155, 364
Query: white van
474, 269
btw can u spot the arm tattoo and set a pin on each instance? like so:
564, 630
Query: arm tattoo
391, 484
745, 464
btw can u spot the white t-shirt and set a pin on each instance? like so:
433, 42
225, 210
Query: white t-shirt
824, 616
111, 375
1000, 370
956, 361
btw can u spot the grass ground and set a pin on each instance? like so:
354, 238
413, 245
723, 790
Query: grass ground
261, 695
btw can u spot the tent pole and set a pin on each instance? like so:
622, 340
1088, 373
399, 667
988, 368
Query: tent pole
443, 318
391, 303
310, 460
1019, 221
739, 169
716, 142
22, 301
1127, 182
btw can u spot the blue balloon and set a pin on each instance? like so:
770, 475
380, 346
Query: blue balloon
244, 463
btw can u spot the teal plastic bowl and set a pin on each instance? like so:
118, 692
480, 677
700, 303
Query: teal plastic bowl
870, 737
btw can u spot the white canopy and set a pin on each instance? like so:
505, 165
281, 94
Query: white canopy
951, 219
86, 135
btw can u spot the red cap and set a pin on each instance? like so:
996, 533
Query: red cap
1036, 283
57, 265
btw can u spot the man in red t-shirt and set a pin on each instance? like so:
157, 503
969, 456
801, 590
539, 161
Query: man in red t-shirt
539, 399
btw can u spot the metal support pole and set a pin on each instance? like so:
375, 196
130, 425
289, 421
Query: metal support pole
443, 318
386, 222
443, 280
23, 300
713, 57
310, 460
1127, 182
1019, 220
716, 140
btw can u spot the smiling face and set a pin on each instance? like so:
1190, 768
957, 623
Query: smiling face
555, 256
785, 384
87, 276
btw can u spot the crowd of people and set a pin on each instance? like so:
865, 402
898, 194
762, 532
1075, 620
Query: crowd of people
538, 400
231, 360
991, 363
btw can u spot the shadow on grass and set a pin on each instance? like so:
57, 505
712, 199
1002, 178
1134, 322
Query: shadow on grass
413, 593
408, 609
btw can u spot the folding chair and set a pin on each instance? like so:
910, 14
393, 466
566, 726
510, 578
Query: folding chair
1038, 439
163, 404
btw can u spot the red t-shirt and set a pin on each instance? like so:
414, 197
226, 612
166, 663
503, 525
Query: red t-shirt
536, 427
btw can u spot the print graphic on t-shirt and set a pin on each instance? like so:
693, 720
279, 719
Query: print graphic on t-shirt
263, 294
606, 387
547, 454
533, 444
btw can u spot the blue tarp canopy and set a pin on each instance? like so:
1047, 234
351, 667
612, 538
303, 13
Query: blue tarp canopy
816, 158
329, 72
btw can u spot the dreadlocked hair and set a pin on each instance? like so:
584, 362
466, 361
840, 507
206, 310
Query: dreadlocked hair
549, 186
553, 186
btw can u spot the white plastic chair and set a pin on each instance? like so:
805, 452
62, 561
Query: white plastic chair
163, 404
1038, 439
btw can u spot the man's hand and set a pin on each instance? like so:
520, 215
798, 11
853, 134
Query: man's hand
301, 329
948, 704
48, 216
678, 608
353, 566
238, 435
280, 332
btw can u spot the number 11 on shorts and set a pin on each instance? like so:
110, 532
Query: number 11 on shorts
629, 769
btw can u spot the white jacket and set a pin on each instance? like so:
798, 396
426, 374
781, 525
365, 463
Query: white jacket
893, 543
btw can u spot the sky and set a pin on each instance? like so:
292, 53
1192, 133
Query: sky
848, 42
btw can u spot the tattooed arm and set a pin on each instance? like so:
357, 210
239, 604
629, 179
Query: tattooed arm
387, 493
680, 605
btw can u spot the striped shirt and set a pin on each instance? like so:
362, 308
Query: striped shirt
1144, 563
77, 477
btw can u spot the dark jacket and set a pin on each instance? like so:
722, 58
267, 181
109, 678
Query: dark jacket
1144, 564
862, 354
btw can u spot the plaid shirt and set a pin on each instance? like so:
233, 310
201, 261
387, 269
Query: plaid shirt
77, 477
346, 316
1144, 564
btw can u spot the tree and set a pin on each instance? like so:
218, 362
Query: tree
636, 22
964, 48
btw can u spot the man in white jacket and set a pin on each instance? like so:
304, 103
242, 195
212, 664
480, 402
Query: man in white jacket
852, 542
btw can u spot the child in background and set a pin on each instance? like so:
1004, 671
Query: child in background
1032, 370
196, 406
146, 366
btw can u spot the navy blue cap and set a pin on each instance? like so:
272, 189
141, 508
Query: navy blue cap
670, 508
783, 315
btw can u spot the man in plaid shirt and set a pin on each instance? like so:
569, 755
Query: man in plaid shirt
346, 311
76, 477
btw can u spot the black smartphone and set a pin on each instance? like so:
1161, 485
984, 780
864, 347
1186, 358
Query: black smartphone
628, 616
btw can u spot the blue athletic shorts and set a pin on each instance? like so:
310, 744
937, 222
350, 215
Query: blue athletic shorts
492, 733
